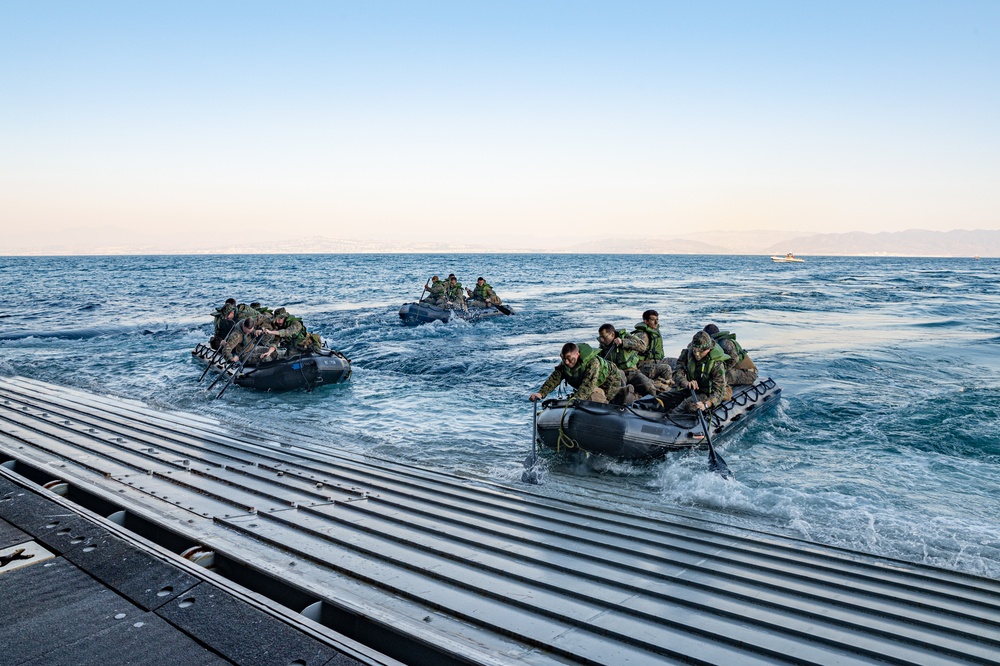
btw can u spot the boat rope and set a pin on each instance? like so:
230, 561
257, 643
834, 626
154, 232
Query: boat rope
565, 440
309, 387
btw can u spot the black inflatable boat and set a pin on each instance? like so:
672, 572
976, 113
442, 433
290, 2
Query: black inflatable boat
306, 371
412, 314
646, 430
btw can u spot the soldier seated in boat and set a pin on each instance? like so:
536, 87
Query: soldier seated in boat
230, 304
583, 368
623, 349
225, 319
230, 349
244, 344
244, 311
260, 308
286, 329
483, 295
455, 294
740, 368
436, 292
652, 362
701, 366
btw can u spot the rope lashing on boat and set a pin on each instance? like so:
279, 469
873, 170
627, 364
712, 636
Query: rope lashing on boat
309, 387
659, 417
564, 439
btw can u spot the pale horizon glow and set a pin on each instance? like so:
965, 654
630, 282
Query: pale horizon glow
521, 121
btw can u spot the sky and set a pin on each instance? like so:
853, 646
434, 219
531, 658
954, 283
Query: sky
503, 122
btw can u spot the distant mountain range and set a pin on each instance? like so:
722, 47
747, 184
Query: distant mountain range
911, 243
914, 242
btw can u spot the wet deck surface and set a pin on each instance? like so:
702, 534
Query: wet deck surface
436, 569
73, 592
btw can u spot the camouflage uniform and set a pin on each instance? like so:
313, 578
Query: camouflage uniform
240, 341
243, 311
456, 295
653, 364
220, 341
290, 331
738, 372
310, 343
293, 337
222, 325
234, 343
626, 357
710, 373
219, 316
482, 296
263, 344
437, 294
586, 381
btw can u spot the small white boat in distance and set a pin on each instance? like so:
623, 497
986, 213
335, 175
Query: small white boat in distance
787, 259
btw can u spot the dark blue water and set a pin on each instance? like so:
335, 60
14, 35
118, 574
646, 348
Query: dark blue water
887, 438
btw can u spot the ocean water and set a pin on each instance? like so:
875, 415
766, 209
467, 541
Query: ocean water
887, 438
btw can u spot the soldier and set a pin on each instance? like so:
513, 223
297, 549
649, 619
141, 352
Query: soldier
288, 330
583, 368
701, 366
437, 292
456, 295
244, 311
740, 368
260, 308
224, 322
483, 295
623, 350
242, 341
230, 304
652, 363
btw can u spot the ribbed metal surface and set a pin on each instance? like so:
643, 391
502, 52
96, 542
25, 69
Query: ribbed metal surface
494, 575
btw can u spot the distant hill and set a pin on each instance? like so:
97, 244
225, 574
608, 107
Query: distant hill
913, 243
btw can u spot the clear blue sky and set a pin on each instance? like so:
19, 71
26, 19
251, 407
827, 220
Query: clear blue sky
513, 120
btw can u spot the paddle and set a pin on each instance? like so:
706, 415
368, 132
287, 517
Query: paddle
211, 361
502, 308
715, 462
424, 291
222, 373
530, 474
240, 369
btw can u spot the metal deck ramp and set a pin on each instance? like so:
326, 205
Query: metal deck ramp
435, 569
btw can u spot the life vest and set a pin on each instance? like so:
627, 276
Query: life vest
574, 375
454, 292
438, 288
295, 339
626, 359
699, 371
654, 351
726, 335
479, 293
